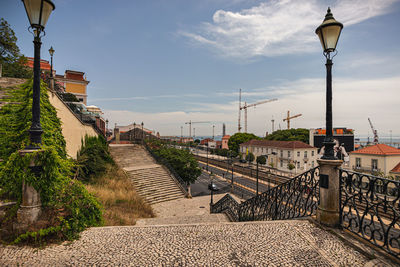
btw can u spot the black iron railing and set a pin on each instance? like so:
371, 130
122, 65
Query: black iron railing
228, 205
295, 198
370, 208
182, 184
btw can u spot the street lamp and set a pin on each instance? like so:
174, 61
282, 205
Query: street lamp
142, 132
134, 131
38, 12
328, 33
51, 52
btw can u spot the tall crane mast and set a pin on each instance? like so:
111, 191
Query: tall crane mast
288, 118
194, 122
375, 132
249, 106
240, 104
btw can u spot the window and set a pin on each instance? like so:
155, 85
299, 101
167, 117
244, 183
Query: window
358, 162
305, 154
298, 153
281, 154
312, 163
80, 99
374, 164
281, 163
298, 165
312, 153
262, 150
288, 154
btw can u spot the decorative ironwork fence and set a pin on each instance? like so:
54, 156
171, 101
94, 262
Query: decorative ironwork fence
370, 208
228, 205
295, 198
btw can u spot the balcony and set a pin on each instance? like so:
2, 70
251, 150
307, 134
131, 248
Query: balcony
368, 169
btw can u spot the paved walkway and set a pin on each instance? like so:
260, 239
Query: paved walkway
279, 243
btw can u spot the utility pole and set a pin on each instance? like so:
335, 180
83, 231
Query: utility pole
213, 132
181, 133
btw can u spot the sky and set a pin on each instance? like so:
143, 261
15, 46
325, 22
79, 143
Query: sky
165, 62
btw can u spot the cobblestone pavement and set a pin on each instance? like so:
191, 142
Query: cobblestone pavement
279, 243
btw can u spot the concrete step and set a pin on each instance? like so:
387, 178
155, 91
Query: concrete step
156, 187
160, 193
210, 218
153, 183
163, 199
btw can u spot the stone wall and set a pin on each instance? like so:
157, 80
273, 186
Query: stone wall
72, 128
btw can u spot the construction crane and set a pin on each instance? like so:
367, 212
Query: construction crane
375, 132
194, 122
249, 106
273, 124
288, 118
240, 104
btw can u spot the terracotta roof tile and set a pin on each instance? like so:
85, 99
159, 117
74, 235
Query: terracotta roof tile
396, 168
379, 149
281, 144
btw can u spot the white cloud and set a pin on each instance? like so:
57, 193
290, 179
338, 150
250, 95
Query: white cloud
278, 27
353, 102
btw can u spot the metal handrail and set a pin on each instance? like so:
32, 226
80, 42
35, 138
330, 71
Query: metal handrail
298, 197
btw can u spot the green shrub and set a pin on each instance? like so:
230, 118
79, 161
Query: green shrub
92, 158
71, 207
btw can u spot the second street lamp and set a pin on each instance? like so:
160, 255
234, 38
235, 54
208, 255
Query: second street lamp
328, 33
51, 52
38, 12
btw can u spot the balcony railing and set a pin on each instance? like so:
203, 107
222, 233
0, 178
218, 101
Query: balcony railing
370, 208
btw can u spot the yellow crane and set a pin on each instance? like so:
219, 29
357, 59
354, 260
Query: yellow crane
194, 122
288, 118
249, 106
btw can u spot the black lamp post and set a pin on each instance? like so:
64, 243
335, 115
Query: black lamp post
134, 131
51, 52
38, 12
328, 33
142, 132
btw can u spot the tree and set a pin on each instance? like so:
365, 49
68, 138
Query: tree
261, 160
290, 135
239, 138
250, 157
290, 166
12, 63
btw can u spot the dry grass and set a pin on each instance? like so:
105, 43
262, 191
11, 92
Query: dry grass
122, 205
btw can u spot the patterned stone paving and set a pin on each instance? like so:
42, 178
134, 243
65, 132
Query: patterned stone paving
279, 243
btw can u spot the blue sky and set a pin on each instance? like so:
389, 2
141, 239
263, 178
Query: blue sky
166, 62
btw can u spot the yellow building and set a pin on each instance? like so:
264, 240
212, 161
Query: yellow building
375, 159
75, 83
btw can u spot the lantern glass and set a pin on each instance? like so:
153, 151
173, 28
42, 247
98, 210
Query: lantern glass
51, 51
38, 12
329, 32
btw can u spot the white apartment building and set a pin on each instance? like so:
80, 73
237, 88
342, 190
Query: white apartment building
281, 153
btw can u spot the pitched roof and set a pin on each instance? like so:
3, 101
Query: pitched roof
226, 137
280, 144
396, 168
44, 64
379, 149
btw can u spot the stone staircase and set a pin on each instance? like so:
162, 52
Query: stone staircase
152, 181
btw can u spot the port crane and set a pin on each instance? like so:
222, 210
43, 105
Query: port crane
246, 106
375, 132
288, 118
194, 122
